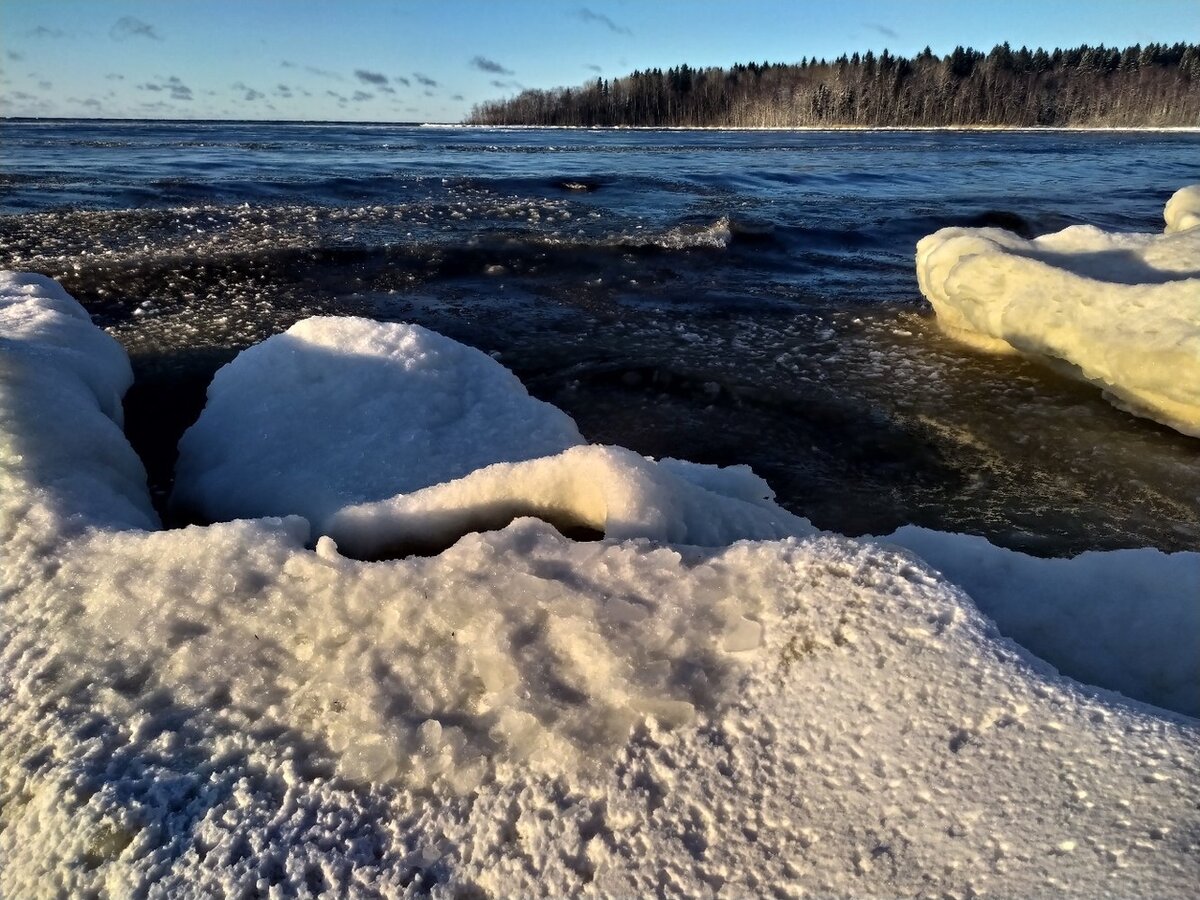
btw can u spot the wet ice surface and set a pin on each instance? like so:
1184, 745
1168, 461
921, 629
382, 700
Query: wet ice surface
723, 298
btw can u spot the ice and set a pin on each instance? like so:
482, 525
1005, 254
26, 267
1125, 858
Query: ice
1183, 209
75, 450
607, 489
222, 711
339, 410
1125, 619
1121, 311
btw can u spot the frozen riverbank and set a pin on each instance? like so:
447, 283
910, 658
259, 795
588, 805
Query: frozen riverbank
229, 709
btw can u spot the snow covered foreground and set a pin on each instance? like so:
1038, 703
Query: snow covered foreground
1121, 311
222, 710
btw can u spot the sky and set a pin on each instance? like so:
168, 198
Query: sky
431, 60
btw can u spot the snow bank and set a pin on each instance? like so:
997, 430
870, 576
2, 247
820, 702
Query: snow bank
337, 411
1121, 311
222, 711
1126, 619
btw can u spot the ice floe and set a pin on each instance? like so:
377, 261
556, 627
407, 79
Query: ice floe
1121, 311
227, 710
339, 410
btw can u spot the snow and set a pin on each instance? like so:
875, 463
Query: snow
1125, 619
385, 409
224, 711
1121, 311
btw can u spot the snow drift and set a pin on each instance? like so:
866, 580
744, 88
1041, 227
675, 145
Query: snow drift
222, 710
1121, 311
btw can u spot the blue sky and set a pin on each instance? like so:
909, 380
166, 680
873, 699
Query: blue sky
403, 60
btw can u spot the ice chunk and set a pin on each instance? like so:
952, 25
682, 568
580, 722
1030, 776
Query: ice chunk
607, 489
1183, 209
338, 411
1121, 311
1128, 620
60, 411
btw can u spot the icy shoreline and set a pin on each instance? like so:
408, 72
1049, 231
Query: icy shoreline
224, 709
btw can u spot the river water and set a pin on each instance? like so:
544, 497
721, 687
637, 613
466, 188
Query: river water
718, 296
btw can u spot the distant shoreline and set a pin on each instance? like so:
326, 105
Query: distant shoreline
463, 126
1181, 129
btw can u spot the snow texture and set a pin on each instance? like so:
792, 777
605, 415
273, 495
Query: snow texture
1121, 311
386, 409
222, 711
1126, 619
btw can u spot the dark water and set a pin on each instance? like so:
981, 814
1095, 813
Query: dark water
720, 296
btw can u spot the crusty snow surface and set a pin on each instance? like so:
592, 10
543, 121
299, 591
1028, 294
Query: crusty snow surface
227, 711
1121, 311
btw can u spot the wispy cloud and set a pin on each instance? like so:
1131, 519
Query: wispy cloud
457, 97
600, 19
114, 76
128, 27
425, 80
45, 85
593, 67
249, 94
14, 56
173, 86
323, 73
41, 31
400, 79
483, 64
360, 96
882, 29
369, 77
311, 70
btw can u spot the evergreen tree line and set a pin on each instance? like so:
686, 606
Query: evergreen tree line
1152, 85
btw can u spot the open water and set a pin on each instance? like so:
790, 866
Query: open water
718, 296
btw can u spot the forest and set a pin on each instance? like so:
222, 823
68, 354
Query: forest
1155, 85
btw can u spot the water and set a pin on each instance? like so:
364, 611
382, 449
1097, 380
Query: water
720, 296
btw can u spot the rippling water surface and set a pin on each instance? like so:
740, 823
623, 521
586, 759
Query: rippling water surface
720, 296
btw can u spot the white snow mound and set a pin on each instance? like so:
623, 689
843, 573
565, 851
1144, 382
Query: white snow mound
338, 411
221, 711
1121, 311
